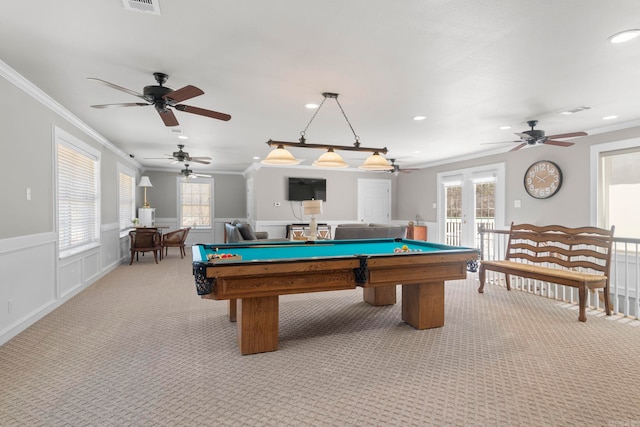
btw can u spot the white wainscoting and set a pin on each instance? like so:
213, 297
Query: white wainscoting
35, 282
28, 285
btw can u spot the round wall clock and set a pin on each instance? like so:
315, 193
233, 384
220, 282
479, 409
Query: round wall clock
543, 179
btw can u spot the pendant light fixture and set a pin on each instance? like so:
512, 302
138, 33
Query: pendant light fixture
330, 159
280, 156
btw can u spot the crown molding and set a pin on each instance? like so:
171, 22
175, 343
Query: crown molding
36, 93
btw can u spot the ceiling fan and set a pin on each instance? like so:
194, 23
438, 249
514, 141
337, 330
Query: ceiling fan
397, 169
182, 156
162, 97
537, 136
188, 173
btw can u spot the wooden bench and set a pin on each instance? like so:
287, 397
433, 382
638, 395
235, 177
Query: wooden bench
576, 257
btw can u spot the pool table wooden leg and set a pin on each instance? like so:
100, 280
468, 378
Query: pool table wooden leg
257, 324
423, 305
233, 310
380, 295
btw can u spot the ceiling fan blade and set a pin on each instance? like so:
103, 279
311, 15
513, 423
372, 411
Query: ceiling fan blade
202, 112
502, 142
560, 143
120, 88
184, 93
125, 104
519, 146
199, 160
168, 118
567, 135
200, 175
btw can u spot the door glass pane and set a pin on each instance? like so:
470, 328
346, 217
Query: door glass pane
453, 215
485, 208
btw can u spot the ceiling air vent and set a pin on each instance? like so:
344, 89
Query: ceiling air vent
575, 110
147, 6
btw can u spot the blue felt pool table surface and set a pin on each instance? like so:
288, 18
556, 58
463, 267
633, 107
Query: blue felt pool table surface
299, 250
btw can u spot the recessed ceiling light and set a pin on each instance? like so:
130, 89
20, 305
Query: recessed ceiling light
609, 117
311, 106
505, 127
418, 118
256, 157
624, 36
417, 152
183, 137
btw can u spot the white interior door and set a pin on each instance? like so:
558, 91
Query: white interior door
374, 201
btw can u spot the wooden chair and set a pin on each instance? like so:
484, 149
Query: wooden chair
175, 239
145, 240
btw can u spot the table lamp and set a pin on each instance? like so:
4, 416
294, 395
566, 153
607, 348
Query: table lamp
312, 207
144, 182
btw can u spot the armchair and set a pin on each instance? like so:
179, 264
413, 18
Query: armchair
175, 239
145, 240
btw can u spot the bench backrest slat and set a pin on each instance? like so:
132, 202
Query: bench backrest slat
571, 248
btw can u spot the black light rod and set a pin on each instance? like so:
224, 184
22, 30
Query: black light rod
271, 143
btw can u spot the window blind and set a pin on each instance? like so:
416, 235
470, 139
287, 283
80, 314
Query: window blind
126, 198
77, 198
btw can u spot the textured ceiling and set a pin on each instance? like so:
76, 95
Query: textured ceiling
469, 66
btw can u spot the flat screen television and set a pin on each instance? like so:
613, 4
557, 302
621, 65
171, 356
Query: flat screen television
306, 189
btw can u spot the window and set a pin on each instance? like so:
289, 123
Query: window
194, 202
77, 166
620, 185
126, 197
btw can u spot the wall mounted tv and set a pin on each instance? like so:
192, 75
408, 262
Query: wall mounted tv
307, 189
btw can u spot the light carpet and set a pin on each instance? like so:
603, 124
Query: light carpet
140, 348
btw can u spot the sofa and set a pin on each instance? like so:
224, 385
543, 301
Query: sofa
238, 232
369, 231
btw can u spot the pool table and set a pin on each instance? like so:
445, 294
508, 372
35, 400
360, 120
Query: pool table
252, 277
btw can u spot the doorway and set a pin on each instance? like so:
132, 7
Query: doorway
470, 199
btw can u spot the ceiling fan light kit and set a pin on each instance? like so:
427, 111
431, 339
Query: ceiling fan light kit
330, 159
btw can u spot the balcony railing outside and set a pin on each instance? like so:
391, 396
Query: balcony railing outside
624, 281
453, 230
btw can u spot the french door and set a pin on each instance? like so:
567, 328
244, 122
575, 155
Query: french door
469, 199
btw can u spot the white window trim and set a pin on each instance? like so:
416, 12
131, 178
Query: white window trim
594, 165
63, 137
179, 180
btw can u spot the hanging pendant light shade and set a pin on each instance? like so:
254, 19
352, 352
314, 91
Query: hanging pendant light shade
280, 156
330, 159
376, 162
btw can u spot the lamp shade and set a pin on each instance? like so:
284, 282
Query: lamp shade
330, 159
280, 156
312, 207
144, 182
376, 162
